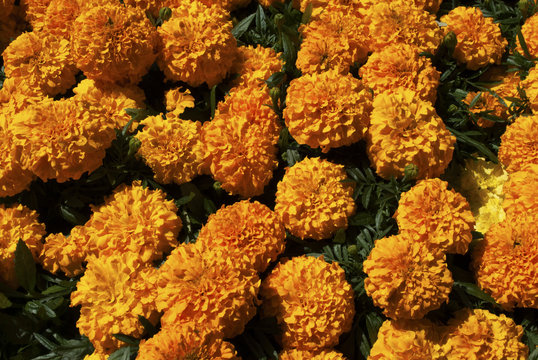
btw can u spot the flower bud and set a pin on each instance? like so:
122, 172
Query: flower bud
411, 171
449, 42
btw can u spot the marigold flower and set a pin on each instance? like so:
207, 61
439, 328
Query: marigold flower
407, 339
17, 222
254, 65
518, 144
43, 61
60, 139
405, 278
16, 95
439, 216
177, 100
197, 45
312, 302
530, 85
529, 30
399, 65
295, 354
96, 356
479, 39
521, 193
59, 17
148, 6
479, 334
406, 130
335, 40
486, 102
112, 293
114, 43
184, 343
210, 288
506, 262
327, 110
312, 201
65, 253
401, 21
34, 11
249, 227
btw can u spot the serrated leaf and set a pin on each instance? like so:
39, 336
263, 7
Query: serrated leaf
25, 268
4, 301
242, 26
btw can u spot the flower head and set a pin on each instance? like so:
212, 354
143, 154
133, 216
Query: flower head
177, 100
65, 253
530, 85
327, 110
312, 302
148, 6
521, 192
295, 354
529, 31
519, 147
405, 278
254, 65
312, 201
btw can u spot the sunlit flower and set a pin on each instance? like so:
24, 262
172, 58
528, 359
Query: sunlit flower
312, 302
211, 288
177, 100
521, 193
113, 292
17, 222
406, 130
479, 39
519, 147
250, 227
399, 65
148, 6
327, 110
197, 45
405, 278
65, 253
114, 43
59, 17
530, 85
295, 354
529, 30
96, 355
312, 201
439, 216
479, 334
254, 65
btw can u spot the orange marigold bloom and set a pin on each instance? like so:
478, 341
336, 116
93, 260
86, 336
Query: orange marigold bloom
197, 45
114, 43
519, 147
96, 356
185, 343
134, 220
401, 21
211, 288
521, 193
530, 85
335, 40
61, 140
59, 17
148, 6
254, 65
405, 278
406, 130
485, 102
506, 262
327, 110
312, 201
407, 339
43, 61
295, 354
529, 30
65, 253
312, 302
479, 334
16, 95
440, 217
399, 65
177, 100
171, 147
479, 39
34, 11
112, 293
17, 222
249, 227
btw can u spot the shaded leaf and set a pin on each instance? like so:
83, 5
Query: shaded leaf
25, 268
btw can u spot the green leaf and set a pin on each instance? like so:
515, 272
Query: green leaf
213, 100
340, 236
148, 326
126, 339
307, 13
475, 291
523, 44
275, 79
25, 268
4, 301
185, 199
123, 353
49, 345
72, 216
242, 26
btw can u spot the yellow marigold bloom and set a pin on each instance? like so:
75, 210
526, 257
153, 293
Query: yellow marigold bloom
479, 334
148, 6
519, 147
254, 65
335, 40
59, 17
506, 262
479, 39
485, 102
177, 100
171, 147
295, 354
61, 140
439, 216
211, 288
249, 227
401, 21
521, 193
399, 65
133, 220
312, 201
35, 11
43, 61
197, 45
405, 278
406, 130
112, 293
312, 302
530, 85
65, 253
327, 110
114, 43
407, 339
185, 343
96, 356
16, 96
529, 30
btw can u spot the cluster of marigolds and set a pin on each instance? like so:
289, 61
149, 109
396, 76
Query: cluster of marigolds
207, 291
